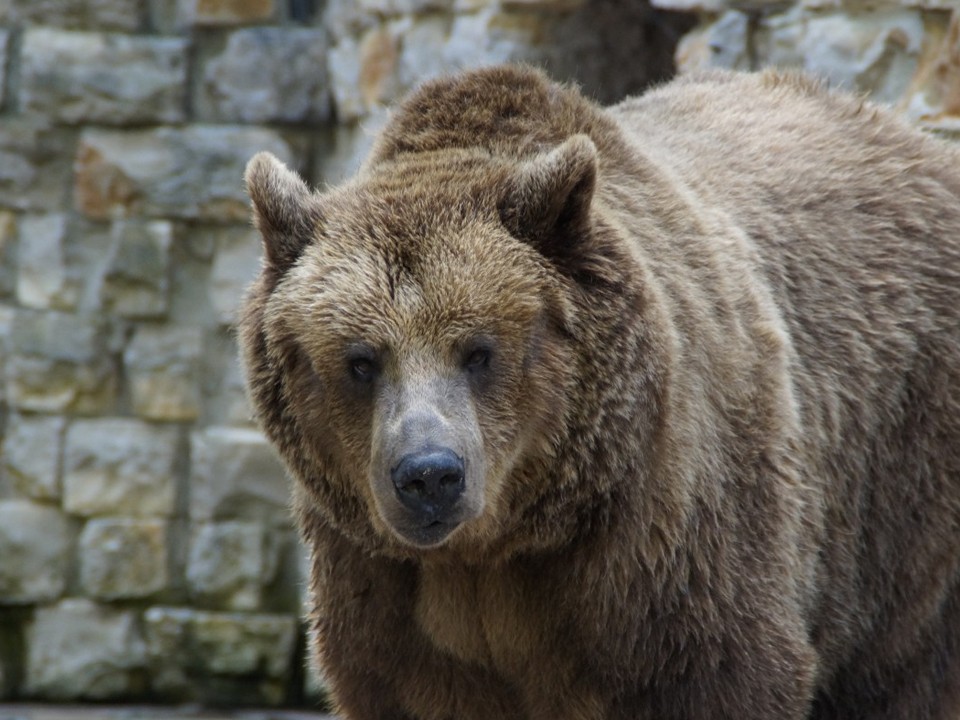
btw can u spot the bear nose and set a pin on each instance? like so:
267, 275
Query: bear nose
429, 482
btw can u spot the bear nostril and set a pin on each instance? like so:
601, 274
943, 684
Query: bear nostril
429, 482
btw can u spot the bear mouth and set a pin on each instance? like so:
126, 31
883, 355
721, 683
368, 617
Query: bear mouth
429, 534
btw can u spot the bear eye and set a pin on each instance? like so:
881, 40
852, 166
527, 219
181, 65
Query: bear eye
362, 368
477, 359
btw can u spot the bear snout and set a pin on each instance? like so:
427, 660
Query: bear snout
429, 483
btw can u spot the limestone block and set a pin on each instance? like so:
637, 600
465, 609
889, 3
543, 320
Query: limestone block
32, 452
8, 252
4, 42
720, 44
123, 558
227, 563
110, 79
59, 362
236, 475
226, 12
235, 265
118, 466
163, 368
363, 72
35, 547
934, 100
268, 75
192, 172
127, 15
348, 146
187, 648
34, 165
78, 649
59, 263
875, 52
136, 280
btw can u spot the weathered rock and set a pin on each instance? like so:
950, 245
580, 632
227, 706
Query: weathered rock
188, 649
34, 165
163, 367
934, 100
724, 43
77, 649
225, 12
136, 280
83, 14
35, 547
268, 75
123, 558
227, 565
8, 252
60, 263
117, 466
235, 264
32, 452
59, 362
193, 172
4, 41
872, 52
236, 475
104, 78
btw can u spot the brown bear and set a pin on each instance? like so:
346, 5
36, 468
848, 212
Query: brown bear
645, 412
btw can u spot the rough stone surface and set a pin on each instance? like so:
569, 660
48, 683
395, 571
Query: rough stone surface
59, 362
103, 78
235, 474
191, 173
116, 466
34, 165
226, 564
122, 558
32, 452
78, 649
4, 41
78, 14
163, 367
136, 279
268, 75
35, 546
226, 12
8, 252
184, 645
237, 259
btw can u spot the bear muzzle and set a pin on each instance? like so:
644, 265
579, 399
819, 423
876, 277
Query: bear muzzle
429, 484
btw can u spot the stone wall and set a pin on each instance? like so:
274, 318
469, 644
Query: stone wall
145, 546
903, 53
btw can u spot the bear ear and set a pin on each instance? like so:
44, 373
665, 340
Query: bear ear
285, 211
547, 201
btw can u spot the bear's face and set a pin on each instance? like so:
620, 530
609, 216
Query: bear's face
429, 334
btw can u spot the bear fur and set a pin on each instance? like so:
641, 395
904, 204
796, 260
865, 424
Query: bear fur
690, 369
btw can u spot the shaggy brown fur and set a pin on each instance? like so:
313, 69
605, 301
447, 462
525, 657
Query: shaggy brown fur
695, 362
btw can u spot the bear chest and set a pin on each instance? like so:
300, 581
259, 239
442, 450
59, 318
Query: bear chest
488, 617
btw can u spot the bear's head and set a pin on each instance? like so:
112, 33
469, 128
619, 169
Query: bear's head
408, 343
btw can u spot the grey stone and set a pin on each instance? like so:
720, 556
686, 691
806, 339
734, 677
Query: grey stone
236, 475
104, 78
8, 252
34, 165
136, 282
874, 52
193, 172
125, 15
32, 452
348, 146
123, 558
268, 75
59, 362
188, 647
77, 649
117, 466
35, 547
163, 367
4, 41
721, 44
235, 265
227, 564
